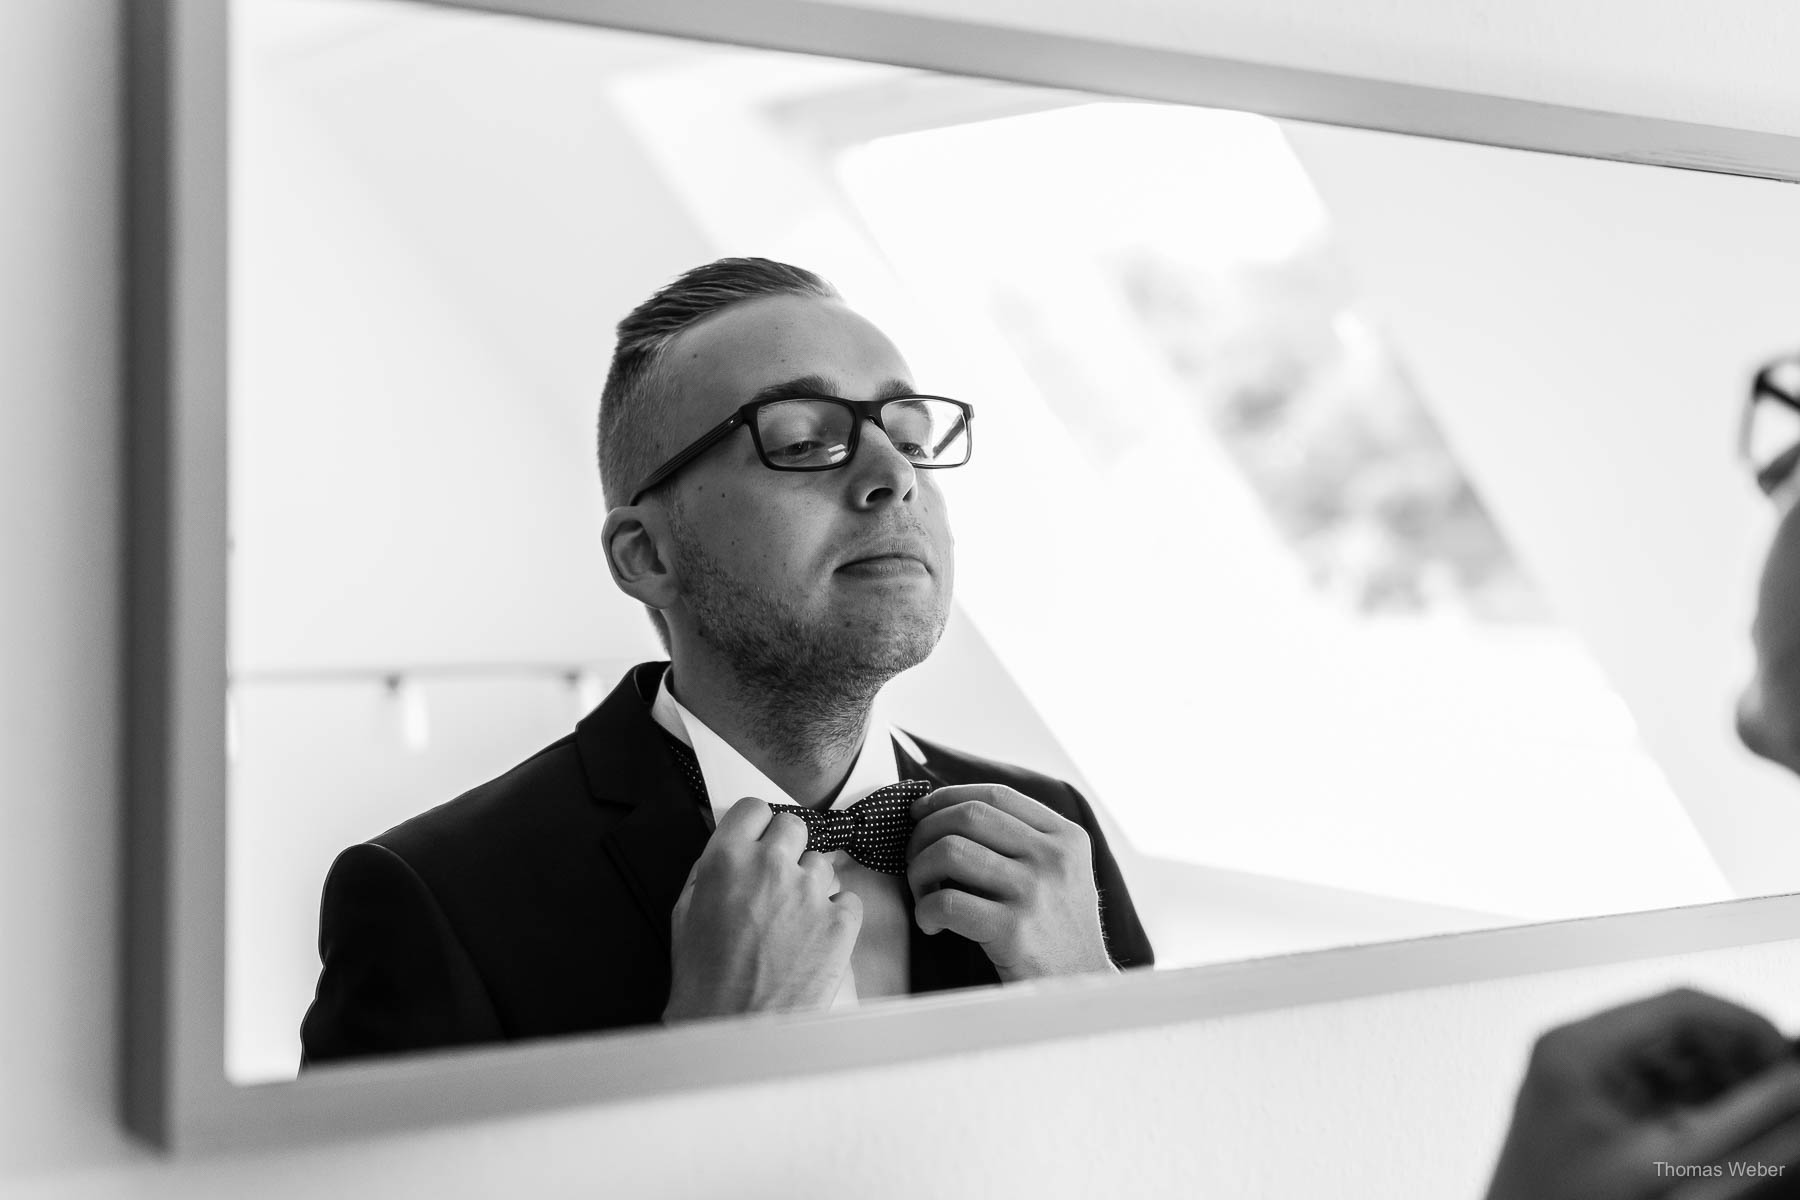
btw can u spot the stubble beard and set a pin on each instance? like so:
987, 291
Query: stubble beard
804, 687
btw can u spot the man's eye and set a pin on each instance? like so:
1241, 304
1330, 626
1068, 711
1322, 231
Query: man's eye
807, 452
912, 450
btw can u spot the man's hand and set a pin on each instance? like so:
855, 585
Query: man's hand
761, 925
1001, 869
1683, 1079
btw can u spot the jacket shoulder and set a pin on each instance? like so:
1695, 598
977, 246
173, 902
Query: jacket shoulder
537, 805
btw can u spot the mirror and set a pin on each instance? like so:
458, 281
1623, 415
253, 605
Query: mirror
1353, 519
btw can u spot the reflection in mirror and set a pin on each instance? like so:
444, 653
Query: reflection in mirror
1277, 543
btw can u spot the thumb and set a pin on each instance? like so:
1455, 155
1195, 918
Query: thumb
687, 893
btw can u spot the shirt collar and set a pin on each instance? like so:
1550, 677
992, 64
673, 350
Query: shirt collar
730, 776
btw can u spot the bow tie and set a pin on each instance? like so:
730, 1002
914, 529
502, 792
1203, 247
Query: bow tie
874, 830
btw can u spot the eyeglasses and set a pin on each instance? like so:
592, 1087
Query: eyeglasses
1770, 437
821, 433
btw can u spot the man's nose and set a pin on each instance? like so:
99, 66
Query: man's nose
1784, 495
879, 471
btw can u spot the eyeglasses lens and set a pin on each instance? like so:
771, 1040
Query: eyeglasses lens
932, 433
799, 435
803, 434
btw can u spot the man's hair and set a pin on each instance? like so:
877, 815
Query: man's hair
634, 404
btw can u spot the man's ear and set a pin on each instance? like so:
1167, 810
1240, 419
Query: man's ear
636, 540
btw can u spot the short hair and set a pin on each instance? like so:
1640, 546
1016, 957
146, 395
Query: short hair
634, 403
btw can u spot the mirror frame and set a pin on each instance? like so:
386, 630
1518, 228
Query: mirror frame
175, 1093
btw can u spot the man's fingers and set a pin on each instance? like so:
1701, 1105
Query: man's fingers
955, 859
1680, 1047
1766, 1167
1722, 1129
978, 919
785, 837
1685, 1011
848, 907
980, 822
818, 868
1014, 803
686, 898
743, 821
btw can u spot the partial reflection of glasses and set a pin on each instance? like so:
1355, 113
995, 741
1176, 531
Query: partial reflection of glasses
1770, 438
820, 433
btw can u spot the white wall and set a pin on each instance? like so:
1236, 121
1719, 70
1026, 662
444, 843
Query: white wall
1392, 1097
1585, 332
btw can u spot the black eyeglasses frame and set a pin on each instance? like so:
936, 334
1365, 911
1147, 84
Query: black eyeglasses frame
863, 410
1771, 475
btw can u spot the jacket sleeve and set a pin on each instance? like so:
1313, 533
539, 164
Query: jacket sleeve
1126, 942
395, 977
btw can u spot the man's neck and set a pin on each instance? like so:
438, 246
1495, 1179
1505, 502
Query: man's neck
805, 743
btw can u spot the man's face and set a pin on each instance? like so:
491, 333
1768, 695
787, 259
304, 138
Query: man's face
1769, 710
847, 571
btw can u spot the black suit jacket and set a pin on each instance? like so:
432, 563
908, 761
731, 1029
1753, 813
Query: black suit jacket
539, 903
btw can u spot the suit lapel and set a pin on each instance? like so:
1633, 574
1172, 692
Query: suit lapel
940, 961
628, 763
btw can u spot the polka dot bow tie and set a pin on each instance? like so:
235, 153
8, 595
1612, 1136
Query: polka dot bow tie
874, 830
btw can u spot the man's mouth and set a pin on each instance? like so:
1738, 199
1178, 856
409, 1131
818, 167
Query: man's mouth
886, 564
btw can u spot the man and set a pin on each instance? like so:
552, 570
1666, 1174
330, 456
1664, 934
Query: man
735, 831
1687, 1096
1768, 717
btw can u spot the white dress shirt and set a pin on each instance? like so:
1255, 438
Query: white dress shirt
879, 962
